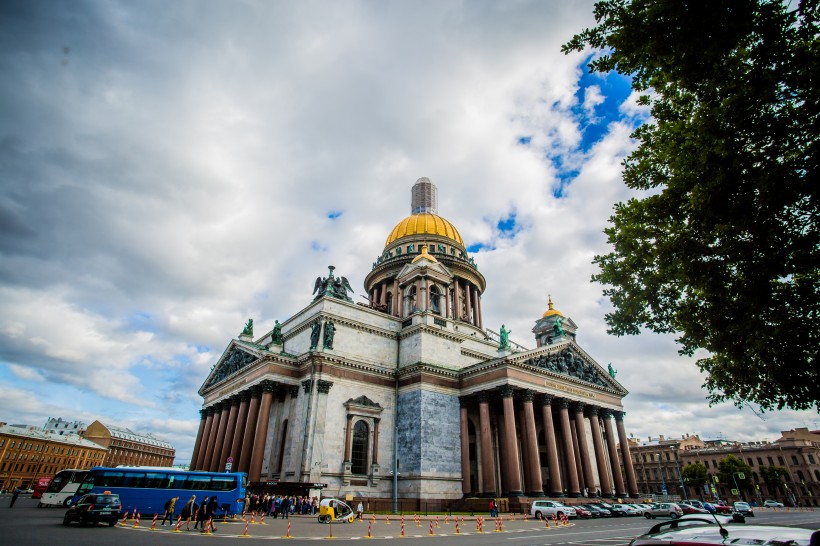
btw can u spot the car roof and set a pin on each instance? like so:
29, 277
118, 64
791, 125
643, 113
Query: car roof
759, 535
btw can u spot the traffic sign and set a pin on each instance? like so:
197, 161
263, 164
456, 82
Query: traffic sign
735, 491
228, 467
230, 459
741, 475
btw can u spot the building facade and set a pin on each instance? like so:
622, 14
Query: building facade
56, 425
27, 453
410, 395
659, 465
126, 447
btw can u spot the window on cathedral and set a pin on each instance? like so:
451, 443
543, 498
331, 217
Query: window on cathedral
358, 453
390, 303
435, 300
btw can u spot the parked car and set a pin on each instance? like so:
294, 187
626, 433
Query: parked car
94, 508
599, 511
664, 509
678, 532
582, 511
689, 509
620, 510
772, 504
547, 508
744, 508
722, 508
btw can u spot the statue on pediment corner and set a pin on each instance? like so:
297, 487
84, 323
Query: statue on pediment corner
248, 330
276, 335
315, 331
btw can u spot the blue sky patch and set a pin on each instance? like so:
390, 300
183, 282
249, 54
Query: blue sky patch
614, 89
508, 227
524, 140
335, 214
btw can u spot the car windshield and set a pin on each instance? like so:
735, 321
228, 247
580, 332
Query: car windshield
107, 499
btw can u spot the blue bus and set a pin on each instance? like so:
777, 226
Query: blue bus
148, 488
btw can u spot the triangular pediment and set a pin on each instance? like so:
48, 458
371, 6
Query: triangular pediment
364, 402
570, 360
436, 268
235, 358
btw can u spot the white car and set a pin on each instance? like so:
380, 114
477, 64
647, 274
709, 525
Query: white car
772, 504
547, 508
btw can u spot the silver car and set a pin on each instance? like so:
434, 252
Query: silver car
664, 510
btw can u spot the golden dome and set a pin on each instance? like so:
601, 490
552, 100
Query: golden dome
552, 310
424, 223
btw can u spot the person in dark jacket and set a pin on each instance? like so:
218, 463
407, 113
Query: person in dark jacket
200, 515
188, 511
210, 512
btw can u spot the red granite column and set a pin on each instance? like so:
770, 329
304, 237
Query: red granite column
383, 293
535, 485
229, 431
477, 307
627, 458
620, 490
250, 429
457, 310
239, 430
268, 388
569, 451
468, 289
600, 456
209, 451
556, 489
209, 412
487, 458
465, 447
198, 442
583, 446
348, 439
220, 435
396, 299
417, 303
511, 441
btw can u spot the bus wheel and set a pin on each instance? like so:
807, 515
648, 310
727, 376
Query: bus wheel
65, 502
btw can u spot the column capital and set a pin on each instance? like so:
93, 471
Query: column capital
269, 386
245, 396
619, 416
203, 413
294, 391
563, 403
324, 386
578, 407
606, 413
546, 399
218, 406
463, 401
483, 397
592, 411
527, 395
307, 385
234, 399
256, 391
507, 391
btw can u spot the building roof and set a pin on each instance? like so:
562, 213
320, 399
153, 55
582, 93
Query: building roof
34, 433
130, 435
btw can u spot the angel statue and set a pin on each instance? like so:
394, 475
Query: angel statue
334, 287
557, 329
612, 371
248, 331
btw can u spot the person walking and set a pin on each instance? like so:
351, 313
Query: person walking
360, 511
170, 507
200, 515
14, 496
210, 512
188, 511
286, 507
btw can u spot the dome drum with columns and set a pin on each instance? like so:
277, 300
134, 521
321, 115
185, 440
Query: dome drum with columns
338, 397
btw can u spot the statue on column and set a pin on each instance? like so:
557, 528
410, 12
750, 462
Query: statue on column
315, 330
612, 371
557, 328
504, 336
330, 330
248, 331
276, 335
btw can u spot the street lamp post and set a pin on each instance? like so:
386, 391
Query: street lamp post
663, 480
680, 476
742, 476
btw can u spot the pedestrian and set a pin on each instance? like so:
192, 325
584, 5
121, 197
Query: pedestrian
14, 496
492, 508
210, 512
170, 506
188, 511
286, 507
200, 515
360, 511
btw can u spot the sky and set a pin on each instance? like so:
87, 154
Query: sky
170, 169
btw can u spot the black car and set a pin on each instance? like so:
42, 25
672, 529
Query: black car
94, 508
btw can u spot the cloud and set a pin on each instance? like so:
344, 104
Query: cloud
165, 179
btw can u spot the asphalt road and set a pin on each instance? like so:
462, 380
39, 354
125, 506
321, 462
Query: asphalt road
26, 524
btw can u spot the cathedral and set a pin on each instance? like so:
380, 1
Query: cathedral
409, 395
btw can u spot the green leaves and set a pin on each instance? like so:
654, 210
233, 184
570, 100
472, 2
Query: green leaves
724, 251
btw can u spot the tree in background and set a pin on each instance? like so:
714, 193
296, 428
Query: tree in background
774, 477
724, 246
730, 470
695, 475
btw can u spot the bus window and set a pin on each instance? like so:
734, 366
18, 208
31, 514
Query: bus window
109, 479
155, 480
223, 483
58, 482
134, 479
198, 482
177, 481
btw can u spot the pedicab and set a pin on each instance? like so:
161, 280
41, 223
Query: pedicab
335, 510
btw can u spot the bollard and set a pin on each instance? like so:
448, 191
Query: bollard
431, 533
153, 524
418, 520
330, 525
262, 520
402, 529
437, 526
245, 534
179, 522
546, 523
446, 520
253, 517
208, 526
458, 529
369, 528
479, 524
497, 528
288, 535
124, 518
387, 519
137, 520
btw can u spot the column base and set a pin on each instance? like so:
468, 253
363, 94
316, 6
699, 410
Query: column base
515, 494
574, 494
535, 494
559, 494
487, 495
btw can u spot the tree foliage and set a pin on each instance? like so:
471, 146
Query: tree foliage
774, 477
728, 470
724, 248
695, 475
